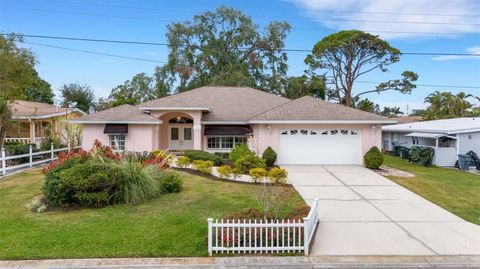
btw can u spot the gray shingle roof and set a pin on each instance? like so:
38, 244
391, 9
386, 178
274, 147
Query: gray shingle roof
308, 108
119, 114
225, 103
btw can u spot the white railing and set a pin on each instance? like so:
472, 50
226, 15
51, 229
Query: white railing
262, 236
49, 157
25, 140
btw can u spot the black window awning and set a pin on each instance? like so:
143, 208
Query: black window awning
227, 130
116, 129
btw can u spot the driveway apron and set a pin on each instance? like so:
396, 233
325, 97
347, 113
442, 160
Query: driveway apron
363, 213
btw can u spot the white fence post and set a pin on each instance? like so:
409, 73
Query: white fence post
306, 235
210, 233
52, 155
31, 156
4, 162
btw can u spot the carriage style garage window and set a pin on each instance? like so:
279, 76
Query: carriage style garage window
117, 141
225, 142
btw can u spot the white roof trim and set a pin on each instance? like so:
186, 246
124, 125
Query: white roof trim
174, 108
429, 135
114, 122
407, 130
225, 122
322, 121
50, 115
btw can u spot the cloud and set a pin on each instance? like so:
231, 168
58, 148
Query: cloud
375, 16
472, 50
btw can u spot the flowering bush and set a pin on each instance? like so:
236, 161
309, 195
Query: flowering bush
63, 157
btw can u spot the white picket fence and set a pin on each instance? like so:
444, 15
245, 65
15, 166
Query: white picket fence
262, 236
31, 156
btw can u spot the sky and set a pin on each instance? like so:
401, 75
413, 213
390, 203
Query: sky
442, 26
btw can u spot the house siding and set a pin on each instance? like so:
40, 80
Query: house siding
140, 137
469, 141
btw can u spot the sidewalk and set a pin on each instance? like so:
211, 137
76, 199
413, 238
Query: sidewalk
258, 262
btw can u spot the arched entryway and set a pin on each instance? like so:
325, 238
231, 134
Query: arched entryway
177, 131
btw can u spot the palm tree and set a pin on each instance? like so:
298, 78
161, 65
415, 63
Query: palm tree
461, 104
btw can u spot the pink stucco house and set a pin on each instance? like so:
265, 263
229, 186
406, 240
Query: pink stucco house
302, 131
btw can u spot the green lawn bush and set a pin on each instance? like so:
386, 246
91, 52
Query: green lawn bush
247, 162
204, 156
171, 183
239, 151
183, 161
373, 159
270, 156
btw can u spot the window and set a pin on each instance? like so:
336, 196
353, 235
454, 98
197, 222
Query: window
353, 133
304, 132
415, 141
284, 133
313, 132
117, 142
344, 132
187, 133
334, 132
174, 134
225, 142
325, 133
293, 132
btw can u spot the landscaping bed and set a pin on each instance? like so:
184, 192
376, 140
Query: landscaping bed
172, 225
456, 191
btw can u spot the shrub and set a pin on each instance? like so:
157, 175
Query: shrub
20, 149
421, 155
183, 161
249, 214
240, 151
67, 158
37, 206
224, 171
46, 144
270, 156
202, 166
171, 183
373, 158
86, 183
277, 175
204, 156
258, 174
247, 162
223, 155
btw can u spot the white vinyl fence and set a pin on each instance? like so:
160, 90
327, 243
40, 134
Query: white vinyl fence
34, 158
262, 236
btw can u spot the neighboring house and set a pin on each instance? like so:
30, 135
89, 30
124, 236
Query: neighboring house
31, 119
448, 137
302, 131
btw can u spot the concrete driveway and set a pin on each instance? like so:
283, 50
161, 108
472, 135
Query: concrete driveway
363, 213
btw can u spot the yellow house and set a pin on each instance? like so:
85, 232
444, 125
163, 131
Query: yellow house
32, 119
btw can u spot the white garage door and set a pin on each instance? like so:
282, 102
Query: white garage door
320, 146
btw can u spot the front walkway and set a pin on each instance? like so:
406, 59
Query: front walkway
363, 213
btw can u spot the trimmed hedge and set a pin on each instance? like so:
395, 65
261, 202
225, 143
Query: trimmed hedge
270, 156
373, 159
204, 156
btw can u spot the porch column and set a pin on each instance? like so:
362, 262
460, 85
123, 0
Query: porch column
32, 132
197, 136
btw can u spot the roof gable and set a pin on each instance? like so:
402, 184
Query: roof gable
119, 114
308, 108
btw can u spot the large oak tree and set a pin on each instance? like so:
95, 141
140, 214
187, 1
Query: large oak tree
347, 55
225, 47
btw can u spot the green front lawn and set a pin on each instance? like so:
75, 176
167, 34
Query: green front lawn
458, 192
173, 225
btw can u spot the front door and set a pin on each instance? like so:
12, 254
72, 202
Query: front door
180, 137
